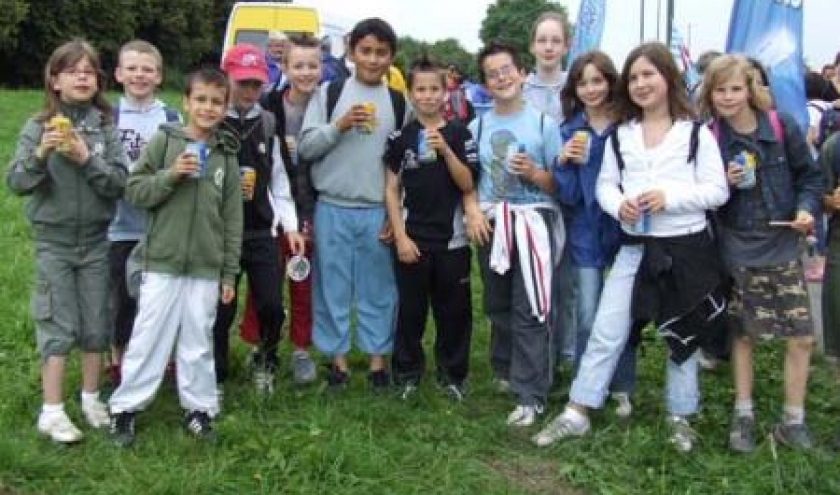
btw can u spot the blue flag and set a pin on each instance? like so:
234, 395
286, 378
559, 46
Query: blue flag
589, 28
771, 31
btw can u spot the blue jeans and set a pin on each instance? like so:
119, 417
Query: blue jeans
589, 282
610, 333
352, 266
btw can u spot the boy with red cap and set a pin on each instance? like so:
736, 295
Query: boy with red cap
267, 204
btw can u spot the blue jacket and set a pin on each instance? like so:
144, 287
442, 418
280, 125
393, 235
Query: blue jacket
787, 175
592, 235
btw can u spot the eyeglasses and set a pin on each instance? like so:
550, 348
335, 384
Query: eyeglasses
501, 72
79, 72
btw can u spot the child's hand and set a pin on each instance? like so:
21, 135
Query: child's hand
522, 165
227, 293
50, 140
77, 150
479, 229
652, 201
356, 116
629, 211
185, 165
734, 173
386, 233
297, 242
435, 140
803, 223
407, 250
834, 199
573, 151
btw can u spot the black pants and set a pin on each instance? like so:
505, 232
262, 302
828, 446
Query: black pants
124, 307
442, 278
260, 262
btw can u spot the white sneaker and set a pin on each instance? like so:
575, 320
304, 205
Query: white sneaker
303, 368
624, 408
264, 382
58, 427
563, 426
524, 415
96, 413
682, 436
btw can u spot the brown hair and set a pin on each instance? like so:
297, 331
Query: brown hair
660, 57
723, 69
66, 57
210, 76
142, 46
551, 15
569, 98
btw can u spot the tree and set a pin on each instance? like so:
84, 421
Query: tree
511, 20
447, 51
12, 12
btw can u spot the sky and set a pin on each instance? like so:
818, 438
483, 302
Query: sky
706, 20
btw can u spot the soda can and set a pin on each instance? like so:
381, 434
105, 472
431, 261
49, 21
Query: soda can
642, 225
199, 150
425, 153
747, 162
298, 268
513, 149
583, 138
62, 125
248, 177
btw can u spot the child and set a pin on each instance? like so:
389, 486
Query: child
772, 205
542, 89
188, 180
588, 101
74, 177
268, 202
830, 165
302, 66
138, 115
430, 166
345, 144
516, 145
661, 173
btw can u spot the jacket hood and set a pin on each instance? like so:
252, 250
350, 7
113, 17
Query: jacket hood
219, 138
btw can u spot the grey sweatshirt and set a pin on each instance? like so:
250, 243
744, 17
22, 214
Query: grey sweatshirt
347, 167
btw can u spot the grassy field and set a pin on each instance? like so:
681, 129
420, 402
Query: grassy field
301, 441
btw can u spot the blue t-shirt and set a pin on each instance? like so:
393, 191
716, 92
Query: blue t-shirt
495, 135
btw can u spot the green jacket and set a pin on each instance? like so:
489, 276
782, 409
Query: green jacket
195, 225
70, 203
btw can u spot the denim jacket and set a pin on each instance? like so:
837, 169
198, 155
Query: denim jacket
593, 235
788, 177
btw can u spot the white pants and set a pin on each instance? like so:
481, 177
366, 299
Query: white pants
171, 308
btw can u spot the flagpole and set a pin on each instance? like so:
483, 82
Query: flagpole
669, 21
642, 22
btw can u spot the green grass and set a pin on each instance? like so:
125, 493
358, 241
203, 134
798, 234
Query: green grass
301, 441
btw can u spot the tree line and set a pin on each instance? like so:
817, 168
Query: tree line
189, 32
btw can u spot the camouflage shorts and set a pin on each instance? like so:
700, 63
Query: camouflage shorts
770, 302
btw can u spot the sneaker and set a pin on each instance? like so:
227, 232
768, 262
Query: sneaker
337, 379
455, 391
563, 426
58, 427
682, 436
624, 408
122, 429
741, 436
379, 381
407, 390
303, 368
96, 413
264, 381
524, 415
197, 423
795, 436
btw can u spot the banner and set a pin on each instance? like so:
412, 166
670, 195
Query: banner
589, 28
771, 31
683, 59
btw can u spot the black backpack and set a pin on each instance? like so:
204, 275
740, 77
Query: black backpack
335, 88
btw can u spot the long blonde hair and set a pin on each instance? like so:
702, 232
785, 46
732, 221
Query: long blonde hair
726, 67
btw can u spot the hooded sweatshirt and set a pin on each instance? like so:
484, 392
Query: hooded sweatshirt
69, 203
195, 224
545, 97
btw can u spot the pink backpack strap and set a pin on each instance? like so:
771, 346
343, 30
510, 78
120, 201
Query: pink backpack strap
776, 124
714, 126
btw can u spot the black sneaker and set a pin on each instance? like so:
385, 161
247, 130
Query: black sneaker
379, 381
407, 390
122, 429
337, 380
197, 423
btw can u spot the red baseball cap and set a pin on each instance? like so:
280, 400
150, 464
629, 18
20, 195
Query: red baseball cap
243, 62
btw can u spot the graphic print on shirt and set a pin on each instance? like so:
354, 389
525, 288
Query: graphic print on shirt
133, 143
503, 183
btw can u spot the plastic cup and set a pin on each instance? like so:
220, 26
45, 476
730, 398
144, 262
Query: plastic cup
248, 177
62, 124
370, 124
583, 138
747, 162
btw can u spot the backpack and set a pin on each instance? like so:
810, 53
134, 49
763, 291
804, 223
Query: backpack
335, 88
693, 144
829, 123
172, 115
775, 123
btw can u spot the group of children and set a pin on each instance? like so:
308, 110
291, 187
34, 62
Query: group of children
596, 200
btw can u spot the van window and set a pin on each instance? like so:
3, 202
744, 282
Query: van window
257, 37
